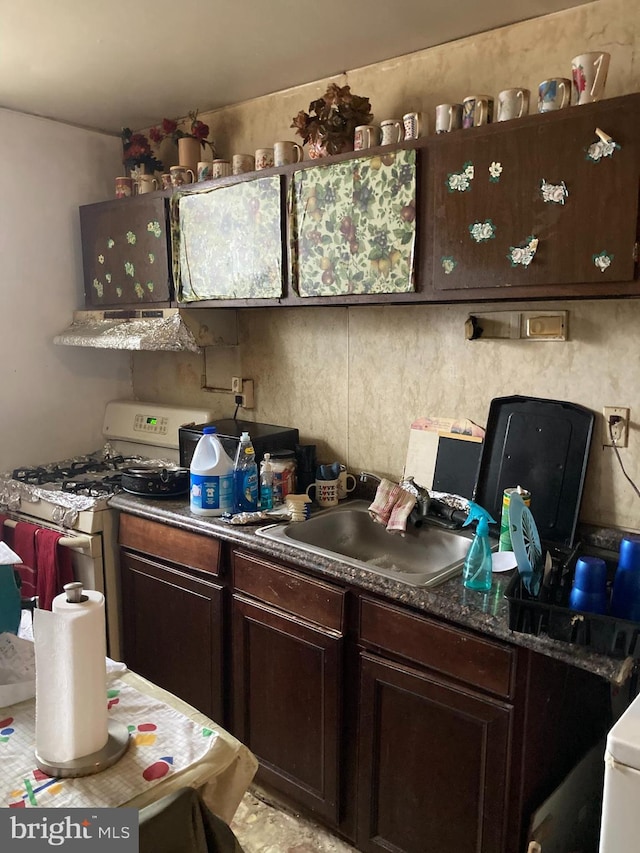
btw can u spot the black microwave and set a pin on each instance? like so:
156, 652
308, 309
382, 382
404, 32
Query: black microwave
265, 438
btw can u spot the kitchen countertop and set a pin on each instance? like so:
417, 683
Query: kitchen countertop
487, 613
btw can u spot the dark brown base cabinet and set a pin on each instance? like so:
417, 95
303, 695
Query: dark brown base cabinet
398, 731
172, 608
287, 679
432, 763
461, 737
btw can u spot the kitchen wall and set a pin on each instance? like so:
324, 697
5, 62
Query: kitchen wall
353, 379
52, 397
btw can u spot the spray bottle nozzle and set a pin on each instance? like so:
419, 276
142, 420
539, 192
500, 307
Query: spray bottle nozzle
479, 514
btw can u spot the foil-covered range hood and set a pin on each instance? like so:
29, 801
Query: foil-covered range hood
151, 329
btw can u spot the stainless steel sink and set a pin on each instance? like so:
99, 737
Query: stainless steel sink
425, 556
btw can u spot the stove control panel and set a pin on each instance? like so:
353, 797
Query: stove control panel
152, 424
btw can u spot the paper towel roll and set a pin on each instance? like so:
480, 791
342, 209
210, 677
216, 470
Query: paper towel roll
71, 678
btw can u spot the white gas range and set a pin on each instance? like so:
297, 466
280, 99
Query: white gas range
73, 496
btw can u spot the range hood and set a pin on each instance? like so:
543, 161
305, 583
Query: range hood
151, 329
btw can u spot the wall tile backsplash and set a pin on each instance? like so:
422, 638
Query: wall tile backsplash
353, 379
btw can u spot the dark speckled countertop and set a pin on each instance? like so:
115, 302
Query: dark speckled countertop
487, 613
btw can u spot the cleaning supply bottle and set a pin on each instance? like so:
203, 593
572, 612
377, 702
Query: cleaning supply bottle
266, 483
245, 477
211, 476
476, 573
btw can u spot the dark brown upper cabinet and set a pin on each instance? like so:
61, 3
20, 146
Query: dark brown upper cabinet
545, 206
541, 207
125, 252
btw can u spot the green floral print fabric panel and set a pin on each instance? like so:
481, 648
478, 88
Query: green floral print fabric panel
229, 241
353, 226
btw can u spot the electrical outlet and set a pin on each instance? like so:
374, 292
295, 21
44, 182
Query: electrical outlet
247, 394
236, 385
619, 429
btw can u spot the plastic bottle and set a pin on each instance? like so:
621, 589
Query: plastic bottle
477, 564
266, 483
245, 477
211, 476
283, 466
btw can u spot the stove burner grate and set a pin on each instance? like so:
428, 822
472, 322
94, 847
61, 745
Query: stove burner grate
109, 485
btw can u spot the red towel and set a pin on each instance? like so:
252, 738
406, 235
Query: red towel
55, 568
24, 544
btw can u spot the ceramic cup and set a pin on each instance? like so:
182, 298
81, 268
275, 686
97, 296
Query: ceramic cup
124, 187
513, 103
165, 179
415, 125
220, 169
181, 175
392, 131
146, 184
554, 94
205, 170
477, 110
285, 153
241, 163
589, 72
264, 158
448, 117
326, 492
346, 483
366, 136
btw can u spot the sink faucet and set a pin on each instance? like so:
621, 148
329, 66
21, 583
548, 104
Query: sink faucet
365, 476
422, 496
423, 500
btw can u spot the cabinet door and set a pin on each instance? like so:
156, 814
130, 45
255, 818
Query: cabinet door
432, 764
352, 226
287, 702
173, 631
228, 241
125, 252
550, 179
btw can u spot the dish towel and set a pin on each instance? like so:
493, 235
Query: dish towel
24, 544
400, 512
54, 566
392, 506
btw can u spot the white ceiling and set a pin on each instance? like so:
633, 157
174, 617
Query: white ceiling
106, 64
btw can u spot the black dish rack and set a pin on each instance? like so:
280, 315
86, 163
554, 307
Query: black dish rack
550, 614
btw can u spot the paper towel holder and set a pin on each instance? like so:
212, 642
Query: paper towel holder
117, 733
87, 765
74, 591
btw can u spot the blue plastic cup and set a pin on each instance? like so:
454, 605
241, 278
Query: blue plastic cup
625, 598
629, 556
589, 591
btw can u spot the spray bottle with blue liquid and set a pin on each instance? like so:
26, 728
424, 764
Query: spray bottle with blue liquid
478, 566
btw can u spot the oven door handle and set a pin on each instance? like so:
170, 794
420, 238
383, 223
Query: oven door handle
78, 543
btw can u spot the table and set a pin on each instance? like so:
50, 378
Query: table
212, 761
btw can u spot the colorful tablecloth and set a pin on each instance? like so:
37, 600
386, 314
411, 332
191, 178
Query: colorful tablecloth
172, 745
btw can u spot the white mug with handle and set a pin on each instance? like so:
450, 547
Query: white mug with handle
287, 153
589, 72
326, 492
344, 487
